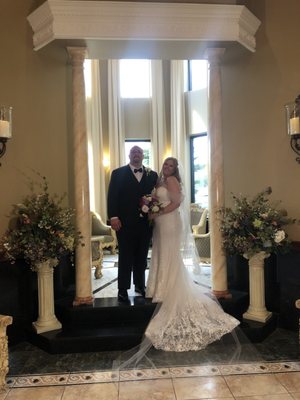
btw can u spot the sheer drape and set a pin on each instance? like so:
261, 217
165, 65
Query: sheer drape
158, 115
179, 141
95, 140
115, 117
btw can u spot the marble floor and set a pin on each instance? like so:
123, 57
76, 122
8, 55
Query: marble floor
269, 370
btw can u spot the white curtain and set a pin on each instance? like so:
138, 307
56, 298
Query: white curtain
95, 139
179, 140
115, 117
158, 115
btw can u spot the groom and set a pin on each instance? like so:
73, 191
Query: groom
127, 185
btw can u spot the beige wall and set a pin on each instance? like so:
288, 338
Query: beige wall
35, 85
255, 88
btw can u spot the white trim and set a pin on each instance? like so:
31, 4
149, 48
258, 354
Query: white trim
120, 20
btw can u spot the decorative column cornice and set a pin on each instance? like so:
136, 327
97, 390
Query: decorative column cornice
77, 56
127, 20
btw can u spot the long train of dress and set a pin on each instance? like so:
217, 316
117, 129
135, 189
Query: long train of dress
189, 317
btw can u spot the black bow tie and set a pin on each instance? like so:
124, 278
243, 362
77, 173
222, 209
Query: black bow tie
137, 170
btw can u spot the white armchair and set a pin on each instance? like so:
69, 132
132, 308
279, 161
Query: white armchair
102, 237
199, 218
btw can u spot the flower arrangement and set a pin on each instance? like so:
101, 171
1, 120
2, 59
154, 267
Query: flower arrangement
42, 228
150, 203
254, 225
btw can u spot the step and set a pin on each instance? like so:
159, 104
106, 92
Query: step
104, 312
89, 340
108, 325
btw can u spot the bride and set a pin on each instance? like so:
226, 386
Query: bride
188, 316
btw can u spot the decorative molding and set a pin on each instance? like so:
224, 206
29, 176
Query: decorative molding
121, 20
5, 320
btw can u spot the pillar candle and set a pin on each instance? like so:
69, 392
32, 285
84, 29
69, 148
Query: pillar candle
4, 129
294, 126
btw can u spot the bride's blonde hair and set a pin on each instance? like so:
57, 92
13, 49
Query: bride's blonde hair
176, 170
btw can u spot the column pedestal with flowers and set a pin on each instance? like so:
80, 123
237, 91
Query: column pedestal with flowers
47, 320
253, 229
257, 310
40, 232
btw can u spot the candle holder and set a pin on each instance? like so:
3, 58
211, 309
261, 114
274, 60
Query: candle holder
5, 127
293, 125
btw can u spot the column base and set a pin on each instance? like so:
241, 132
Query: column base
47, 326
78, 301
257, 316
222, 294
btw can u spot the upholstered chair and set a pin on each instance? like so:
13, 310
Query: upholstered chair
102, 237
198, 219
199, 225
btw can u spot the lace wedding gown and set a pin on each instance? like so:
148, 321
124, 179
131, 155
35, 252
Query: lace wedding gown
189, 317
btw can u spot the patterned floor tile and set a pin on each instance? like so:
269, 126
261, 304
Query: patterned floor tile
142, 374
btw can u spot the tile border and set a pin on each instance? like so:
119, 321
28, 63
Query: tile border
87, 377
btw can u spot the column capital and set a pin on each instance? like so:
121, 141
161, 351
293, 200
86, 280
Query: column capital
214, 54
5, 320
77, 54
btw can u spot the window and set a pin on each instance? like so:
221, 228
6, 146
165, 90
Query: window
196, 83
143, 144
135, 79
195, 75
199, 169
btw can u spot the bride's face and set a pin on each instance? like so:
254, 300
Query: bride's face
168, 168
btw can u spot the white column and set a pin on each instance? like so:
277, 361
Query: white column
216, 179
5, 320
257, 310
47, 320
81, 179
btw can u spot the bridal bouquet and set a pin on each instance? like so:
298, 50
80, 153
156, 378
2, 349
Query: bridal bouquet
254, 225
150, 203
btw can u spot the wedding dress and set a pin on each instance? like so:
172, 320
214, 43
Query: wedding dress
189, 317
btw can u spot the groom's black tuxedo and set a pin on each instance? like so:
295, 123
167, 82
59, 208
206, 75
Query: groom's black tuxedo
134, 237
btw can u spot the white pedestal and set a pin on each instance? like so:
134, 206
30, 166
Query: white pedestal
257, 310
47, 320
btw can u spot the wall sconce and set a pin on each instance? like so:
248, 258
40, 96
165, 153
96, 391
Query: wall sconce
293, 125
5, 127
106, 161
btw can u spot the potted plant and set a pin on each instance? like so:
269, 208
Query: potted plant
41, 231
254, 229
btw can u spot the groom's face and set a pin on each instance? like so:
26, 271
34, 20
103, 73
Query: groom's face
136, 156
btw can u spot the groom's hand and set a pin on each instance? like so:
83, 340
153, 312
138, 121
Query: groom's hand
115, 223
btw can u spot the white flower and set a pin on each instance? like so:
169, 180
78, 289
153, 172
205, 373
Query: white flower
145, 209
148, 170
279, 236
155, 209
